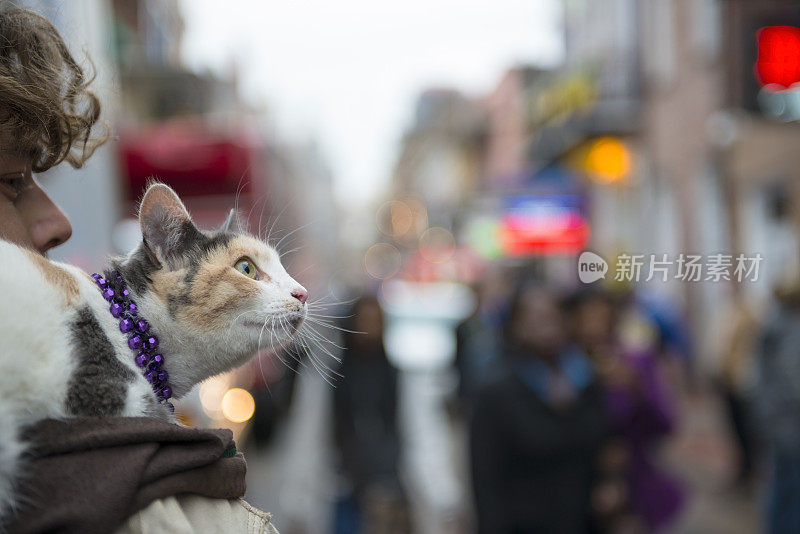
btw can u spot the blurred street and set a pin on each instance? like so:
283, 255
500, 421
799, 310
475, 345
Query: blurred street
702, 455
290, 478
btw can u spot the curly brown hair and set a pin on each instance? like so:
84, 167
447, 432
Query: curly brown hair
46, 108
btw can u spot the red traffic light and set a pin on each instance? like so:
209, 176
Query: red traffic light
778, 60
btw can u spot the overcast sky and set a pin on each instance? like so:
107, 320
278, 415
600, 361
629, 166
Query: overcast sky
347, 72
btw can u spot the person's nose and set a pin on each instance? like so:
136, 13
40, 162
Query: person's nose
50, 226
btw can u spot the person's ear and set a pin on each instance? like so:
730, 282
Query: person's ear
167, 228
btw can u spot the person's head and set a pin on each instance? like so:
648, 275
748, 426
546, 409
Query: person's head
46, 117
536, 323
592, 315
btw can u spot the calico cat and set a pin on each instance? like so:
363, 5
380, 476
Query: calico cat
183, 306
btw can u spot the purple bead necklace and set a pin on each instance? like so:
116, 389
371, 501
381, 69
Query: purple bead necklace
141, 338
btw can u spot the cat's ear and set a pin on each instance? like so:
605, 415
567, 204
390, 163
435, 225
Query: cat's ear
167, 227
231, 223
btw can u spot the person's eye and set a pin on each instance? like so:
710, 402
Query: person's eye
14, 183
247, 268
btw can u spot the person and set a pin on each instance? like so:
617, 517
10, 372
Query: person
478, 339
739, 329
634, 493
777, 403
366, 431
93, 474
536, 432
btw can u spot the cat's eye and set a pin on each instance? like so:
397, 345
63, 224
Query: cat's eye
247, 268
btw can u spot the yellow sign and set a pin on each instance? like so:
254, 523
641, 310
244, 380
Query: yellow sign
573, 93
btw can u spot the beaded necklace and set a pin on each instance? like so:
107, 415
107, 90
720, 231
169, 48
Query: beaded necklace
141, 338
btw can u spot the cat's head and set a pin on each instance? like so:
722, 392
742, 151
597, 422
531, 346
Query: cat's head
222, 294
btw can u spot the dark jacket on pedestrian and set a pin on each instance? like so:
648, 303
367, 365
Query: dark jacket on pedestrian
533, 463
365, 418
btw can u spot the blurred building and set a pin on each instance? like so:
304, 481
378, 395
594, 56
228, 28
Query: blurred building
756, 139
509, 128
442, 154
190, 130
155, 83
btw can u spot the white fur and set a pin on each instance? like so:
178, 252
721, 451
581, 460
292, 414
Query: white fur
35, 353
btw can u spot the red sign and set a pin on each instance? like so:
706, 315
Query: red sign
543, 226
778, 60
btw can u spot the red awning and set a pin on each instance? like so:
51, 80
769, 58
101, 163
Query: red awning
189, 157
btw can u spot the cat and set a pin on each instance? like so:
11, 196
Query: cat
203, 301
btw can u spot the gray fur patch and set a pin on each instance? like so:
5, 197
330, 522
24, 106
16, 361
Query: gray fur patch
154, 409
98, 386
137, 269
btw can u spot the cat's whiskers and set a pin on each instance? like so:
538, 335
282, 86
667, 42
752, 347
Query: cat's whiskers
275, 222
317, 340
328, 371
278, 244
261, 217
261, 333
261, 198
309, 330
321, 368
282, 254
311, 337
325, 302
331, 326
330, 316
239, 188
243, 313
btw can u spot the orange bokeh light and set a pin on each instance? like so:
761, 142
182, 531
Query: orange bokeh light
608, 160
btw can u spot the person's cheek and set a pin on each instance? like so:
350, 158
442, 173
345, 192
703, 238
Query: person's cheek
12, 226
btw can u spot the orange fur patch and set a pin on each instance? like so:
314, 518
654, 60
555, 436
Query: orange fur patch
217, 288
56, 276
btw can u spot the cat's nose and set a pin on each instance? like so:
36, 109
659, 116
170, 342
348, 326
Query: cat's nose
301, 295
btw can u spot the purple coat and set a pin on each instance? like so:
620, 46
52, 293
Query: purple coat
641, 418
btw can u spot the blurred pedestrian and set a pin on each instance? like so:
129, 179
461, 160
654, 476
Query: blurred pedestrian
366, 429
536, 431
642, 414
479, 337
739, 331
777, 397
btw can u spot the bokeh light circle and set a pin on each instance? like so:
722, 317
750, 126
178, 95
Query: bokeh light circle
396, 219
211, 392
238, 405
382, 260
437, 244
608, 160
